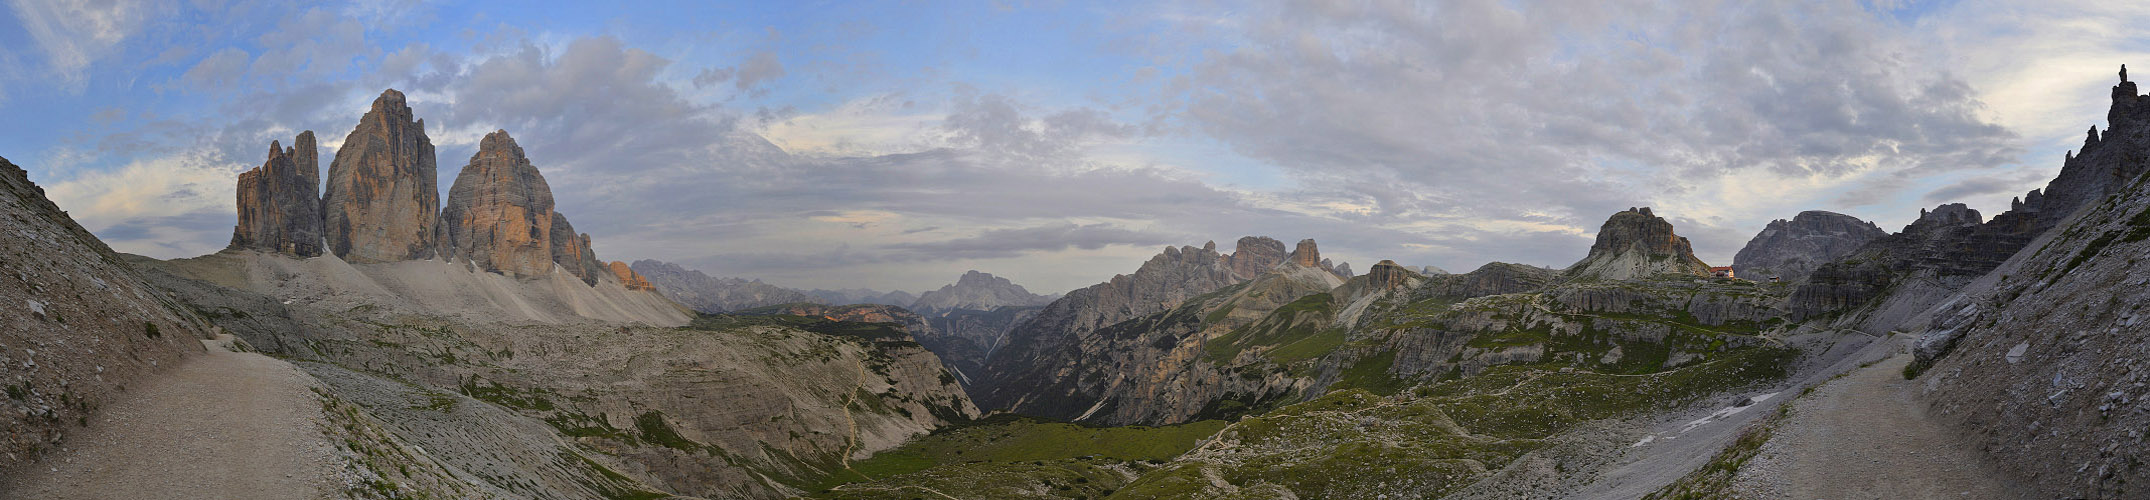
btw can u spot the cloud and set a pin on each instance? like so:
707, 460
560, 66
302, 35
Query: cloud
219, 70
1500, 110
758, 69
1005, 243
76, 34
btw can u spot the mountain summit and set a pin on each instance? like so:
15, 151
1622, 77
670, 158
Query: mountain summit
977, 291
1636, 244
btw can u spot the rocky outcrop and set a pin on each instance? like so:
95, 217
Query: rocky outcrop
1791, 249
572, 252
383, 201
1342, 269
77, 325
716, 295
1389, 275
1253, 256
976, 291
1637, 244
280, 203
1306, 255
1494, 278
499, 215
628, 278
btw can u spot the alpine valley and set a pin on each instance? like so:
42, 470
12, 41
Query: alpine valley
369, 334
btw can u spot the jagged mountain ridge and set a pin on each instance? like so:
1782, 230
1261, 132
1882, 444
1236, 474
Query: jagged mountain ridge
1050, 340
715, 295
1947, 248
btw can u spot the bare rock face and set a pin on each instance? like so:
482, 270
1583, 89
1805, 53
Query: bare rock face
1790, 249
976, 291
1637, 244
383, 198
499, 214
1388, 275
279, 202
1307, 255
1254, 256
628, 277
572, 251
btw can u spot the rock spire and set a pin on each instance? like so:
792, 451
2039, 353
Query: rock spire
279, 208
383, 201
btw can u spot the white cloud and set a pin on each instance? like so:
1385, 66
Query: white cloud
77, 34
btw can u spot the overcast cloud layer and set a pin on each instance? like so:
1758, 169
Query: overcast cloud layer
895, 146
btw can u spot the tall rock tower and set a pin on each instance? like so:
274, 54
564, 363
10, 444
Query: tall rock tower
499, 214
383, 197
279, 205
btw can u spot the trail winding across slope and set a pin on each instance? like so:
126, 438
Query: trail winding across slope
222, 424
1867, 436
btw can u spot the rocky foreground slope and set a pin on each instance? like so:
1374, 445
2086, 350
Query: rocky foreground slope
77, 325
2043, 360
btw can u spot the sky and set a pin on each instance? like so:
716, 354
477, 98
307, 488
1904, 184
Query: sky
895, 145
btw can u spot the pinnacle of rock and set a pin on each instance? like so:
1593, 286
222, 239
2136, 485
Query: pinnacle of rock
382, 203
278, 205
1306, 254
499, 214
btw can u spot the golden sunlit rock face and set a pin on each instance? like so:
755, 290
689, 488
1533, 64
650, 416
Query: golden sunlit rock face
383, 199
499, 214
628, 277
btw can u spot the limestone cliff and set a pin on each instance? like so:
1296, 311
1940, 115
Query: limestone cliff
280, 203
383, 200
1636, 244
1790, 249
499, 215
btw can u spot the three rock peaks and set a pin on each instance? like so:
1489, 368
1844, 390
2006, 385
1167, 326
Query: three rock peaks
382, 204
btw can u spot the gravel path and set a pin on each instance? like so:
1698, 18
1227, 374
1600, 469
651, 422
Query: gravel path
1866, 436
222, 424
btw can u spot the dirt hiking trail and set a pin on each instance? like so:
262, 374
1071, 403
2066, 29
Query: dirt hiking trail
227, 425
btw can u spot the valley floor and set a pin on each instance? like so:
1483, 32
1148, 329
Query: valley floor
1866, 435
222, 424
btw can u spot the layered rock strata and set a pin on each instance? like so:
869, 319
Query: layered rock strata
279, 203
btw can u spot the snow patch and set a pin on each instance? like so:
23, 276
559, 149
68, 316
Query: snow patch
1727, 412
